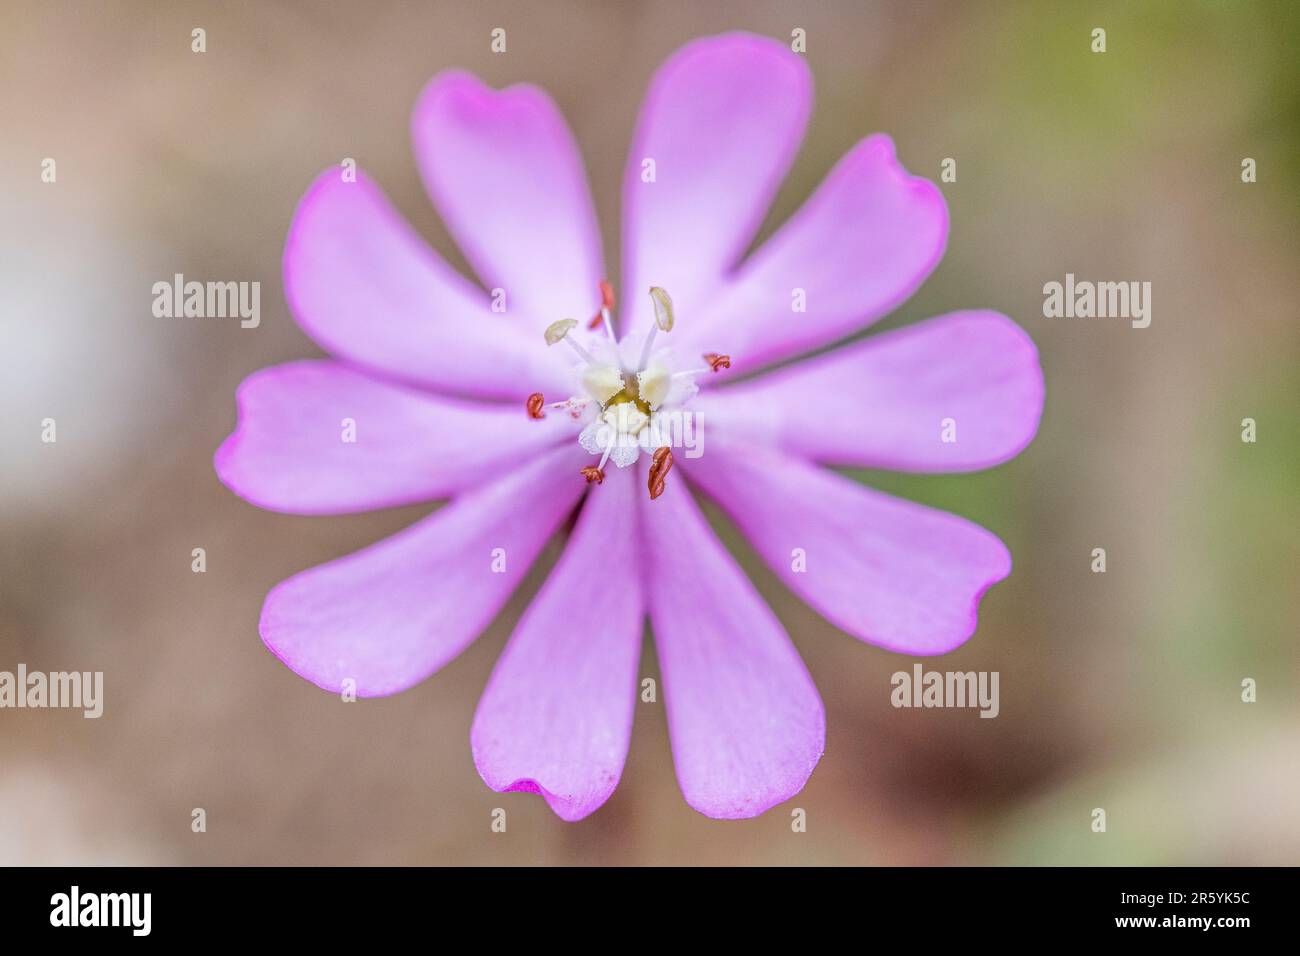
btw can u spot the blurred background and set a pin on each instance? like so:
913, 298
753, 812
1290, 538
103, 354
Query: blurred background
1119, 690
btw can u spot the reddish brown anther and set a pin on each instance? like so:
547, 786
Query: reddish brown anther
661, 464
535, 402
717, 362
606, 302
592, 473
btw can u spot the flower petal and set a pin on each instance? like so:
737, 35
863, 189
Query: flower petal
556, 716
289, 451
391, 614
890, 572
883, 402
746, 721
369, 290
721, 122
858, 248
506, 175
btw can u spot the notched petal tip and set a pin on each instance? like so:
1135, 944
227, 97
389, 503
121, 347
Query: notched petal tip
229, 460
998, 573
460, 94
879, 149
570, 809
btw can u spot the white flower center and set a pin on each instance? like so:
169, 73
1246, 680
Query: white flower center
628, 392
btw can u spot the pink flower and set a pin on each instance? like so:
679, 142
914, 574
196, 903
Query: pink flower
435, 377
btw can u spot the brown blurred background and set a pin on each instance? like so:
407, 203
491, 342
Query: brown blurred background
1118, 690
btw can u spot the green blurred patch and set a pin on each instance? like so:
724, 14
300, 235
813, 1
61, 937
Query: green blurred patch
1241, 511
1227, 800
1235, 63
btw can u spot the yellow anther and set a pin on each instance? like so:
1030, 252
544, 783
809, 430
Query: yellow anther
663, 309
558, 330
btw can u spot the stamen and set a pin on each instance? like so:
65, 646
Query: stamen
534, 406
663, 308
596, 473
716, 364
609, 326
608, 450
606, 307
663, 320
582, 353
645, 349
661, 464
559, 331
